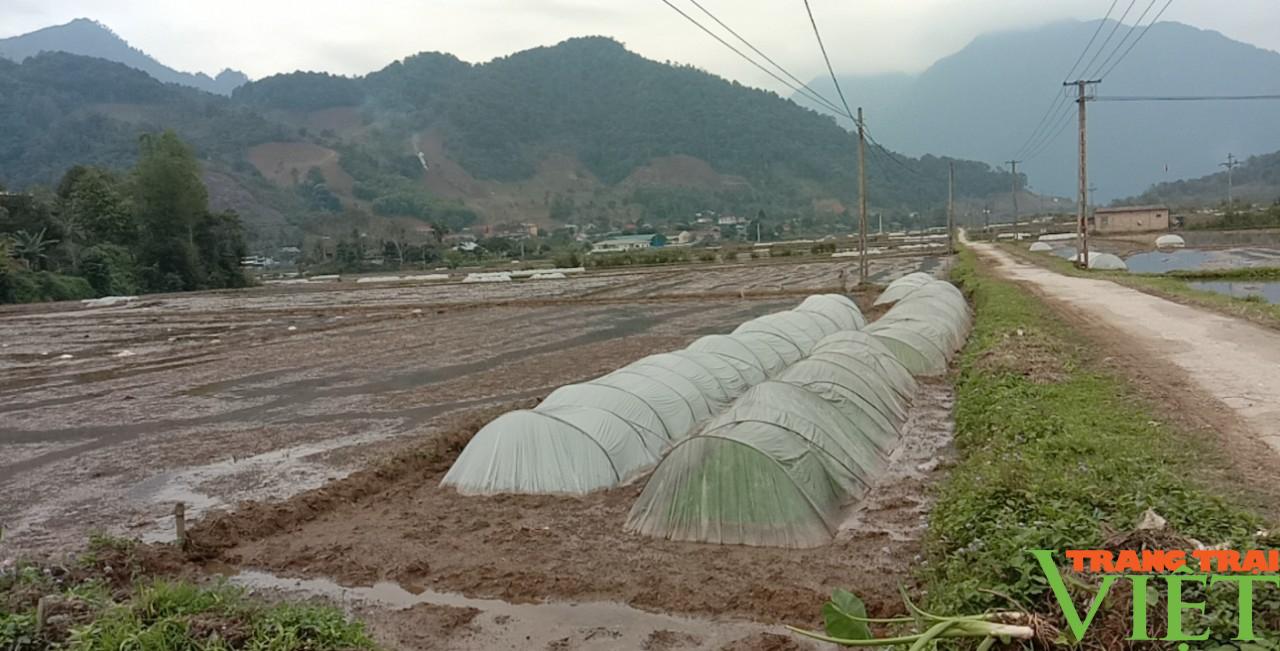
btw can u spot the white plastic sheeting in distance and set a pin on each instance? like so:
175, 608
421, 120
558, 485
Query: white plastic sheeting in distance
663, 397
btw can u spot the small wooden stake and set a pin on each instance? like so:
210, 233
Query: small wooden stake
180, 524
41, 606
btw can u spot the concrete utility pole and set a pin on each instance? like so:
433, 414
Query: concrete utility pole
1231, 164
1082, 212
951, 208
862, 201
1014, 165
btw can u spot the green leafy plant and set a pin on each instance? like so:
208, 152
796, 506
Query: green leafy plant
847, 624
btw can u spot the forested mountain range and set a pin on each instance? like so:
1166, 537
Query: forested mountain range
984, 101
581, 132
1256, 180
90, 38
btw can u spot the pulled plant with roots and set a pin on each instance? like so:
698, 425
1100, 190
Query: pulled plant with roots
847, 624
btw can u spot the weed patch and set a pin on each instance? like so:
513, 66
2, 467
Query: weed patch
57, 607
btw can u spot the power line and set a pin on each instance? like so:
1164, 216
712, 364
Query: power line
1182, 98
892, 156
1101, 23
1044, 145
1045, 122
1132, 28
775, 64
748, 59
1052, 128
1144, 33
817, 34
1115, 28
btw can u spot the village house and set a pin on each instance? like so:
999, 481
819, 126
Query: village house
1129, 219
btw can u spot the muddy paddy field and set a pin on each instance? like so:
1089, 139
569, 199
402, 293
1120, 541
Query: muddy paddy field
306, 431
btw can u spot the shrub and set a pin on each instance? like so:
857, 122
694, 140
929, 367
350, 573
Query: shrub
42, 286
110, 269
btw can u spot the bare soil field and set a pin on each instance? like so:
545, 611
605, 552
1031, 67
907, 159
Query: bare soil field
315, 423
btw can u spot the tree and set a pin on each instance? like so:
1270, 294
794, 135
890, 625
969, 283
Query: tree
31, 247
171, 199
219, 240
92, 199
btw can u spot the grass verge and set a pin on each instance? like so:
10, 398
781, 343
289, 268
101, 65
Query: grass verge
1176, 286
104, 602
1055, 454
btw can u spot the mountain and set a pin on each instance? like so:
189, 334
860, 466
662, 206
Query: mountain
583, 132
984, 101
92, 39
1256, 180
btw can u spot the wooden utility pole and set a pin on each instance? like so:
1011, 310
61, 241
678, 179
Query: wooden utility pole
862, 201
1014, 165
951, 207
1082, 211
1231, 164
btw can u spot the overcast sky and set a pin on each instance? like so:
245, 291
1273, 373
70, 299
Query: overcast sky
262, 37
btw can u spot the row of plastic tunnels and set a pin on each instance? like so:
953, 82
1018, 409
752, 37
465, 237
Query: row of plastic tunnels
759, 437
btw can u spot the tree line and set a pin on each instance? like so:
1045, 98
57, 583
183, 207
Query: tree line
98, 233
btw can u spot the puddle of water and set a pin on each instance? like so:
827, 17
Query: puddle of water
1196, 259
1180, 260
502, 625
283, 472
1269, 291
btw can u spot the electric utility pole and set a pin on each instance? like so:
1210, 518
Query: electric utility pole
1231, 164
1082, 211
862, 201
1014, 164
951, 207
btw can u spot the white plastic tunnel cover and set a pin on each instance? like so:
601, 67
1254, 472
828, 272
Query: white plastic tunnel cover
787, 350
863, 346
840, 309
838, 369
571, 450
815, 419
803, 329
754, 362
848, 398
679, 402
626, 404
716, 379
922, 354
749, 483
903, 286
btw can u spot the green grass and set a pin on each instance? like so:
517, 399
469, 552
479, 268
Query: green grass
1052, 449
160, 615
1176, 285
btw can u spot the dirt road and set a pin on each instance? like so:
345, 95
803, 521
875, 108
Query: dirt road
1234, 362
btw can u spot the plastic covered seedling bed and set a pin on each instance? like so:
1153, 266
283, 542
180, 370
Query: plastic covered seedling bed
840, 309
570, 450
746, 484
754, 360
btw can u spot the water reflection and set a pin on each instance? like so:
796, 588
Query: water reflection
1269, 291
1195, 259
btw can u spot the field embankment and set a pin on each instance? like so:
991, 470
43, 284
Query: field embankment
1058, 450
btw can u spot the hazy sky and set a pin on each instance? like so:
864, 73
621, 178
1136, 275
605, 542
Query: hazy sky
262, 37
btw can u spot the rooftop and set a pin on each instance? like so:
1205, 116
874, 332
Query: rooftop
1116, 209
